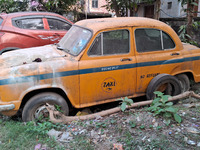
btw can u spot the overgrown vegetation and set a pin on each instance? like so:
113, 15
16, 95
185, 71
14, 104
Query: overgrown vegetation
132, 129
121, 7
186, 31
9, 6
57, 6
186, 37
161, 107
16, 135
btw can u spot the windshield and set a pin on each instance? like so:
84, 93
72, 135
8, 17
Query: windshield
75, 40
1, 20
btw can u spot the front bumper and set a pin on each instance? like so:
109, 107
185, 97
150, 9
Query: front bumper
7, 107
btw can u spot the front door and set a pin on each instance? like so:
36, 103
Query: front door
107, 69
57, 29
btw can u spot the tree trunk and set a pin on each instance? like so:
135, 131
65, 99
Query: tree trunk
190, 9
116, 8
157, 12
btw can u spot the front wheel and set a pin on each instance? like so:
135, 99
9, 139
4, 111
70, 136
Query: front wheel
35, 108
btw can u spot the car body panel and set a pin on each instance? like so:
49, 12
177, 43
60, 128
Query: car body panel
89, 80
15, 36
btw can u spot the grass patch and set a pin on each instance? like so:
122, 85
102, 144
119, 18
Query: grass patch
14, 136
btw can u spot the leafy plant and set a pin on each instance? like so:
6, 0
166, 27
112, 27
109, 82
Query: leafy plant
113, 121
58, 108
185, 37
142, 127
160, 106
41, 128
9, 6
125, 101
101, 125
132, 124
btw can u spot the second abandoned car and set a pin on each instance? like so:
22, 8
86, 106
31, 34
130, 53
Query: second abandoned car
97, 61
31, 29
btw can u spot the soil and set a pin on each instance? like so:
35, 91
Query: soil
138, 129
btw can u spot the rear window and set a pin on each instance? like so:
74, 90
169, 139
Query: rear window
30, 23
1, 20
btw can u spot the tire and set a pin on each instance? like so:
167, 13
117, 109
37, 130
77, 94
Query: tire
165, 83
184, 81
36, 106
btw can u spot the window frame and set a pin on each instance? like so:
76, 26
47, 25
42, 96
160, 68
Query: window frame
95, 3
57, 18
1, 20
169, 5
162, 43
91, 46
28, 17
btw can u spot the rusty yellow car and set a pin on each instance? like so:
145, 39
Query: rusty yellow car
96, 62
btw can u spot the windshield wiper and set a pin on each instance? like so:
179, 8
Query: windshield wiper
61, 48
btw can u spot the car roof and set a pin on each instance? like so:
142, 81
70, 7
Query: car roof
18, 14
103, 23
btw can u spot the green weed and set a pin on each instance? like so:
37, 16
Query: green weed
125, 102
160, 106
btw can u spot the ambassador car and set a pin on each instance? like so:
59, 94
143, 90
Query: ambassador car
96, 62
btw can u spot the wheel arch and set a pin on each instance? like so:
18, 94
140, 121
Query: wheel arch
189, 75
38, 91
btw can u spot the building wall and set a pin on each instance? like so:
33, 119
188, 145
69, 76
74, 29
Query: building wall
100, 9
175, 11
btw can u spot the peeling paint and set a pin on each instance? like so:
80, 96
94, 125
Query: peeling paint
27, 56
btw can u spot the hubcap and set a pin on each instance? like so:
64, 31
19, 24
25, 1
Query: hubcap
41, 113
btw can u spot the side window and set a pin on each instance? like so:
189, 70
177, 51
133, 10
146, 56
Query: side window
111, 43
55, 24
96, 47
32, 23
168, 43
148, 40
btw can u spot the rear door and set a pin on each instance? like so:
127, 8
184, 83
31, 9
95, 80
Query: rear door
156, 53
58, 27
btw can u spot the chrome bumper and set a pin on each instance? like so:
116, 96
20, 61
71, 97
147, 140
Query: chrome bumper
7, 107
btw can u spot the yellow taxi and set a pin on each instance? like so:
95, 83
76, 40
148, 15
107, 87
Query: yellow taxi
96, 62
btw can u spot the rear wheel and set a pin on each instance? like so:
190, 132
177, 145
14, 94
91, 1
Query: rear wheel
35, 108
184, 81
165, 83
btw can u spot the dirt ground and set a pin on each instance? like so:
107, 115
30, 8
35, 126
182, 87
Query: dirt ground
136, 129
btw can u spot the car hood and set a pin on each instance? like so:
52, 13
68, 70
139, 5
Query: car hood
28, 56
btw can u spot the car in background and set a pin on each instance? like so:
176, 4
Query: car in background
31, 29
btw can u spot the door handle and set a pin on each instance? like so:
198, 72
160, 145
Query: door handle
173, 54
126, 59
56, 34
